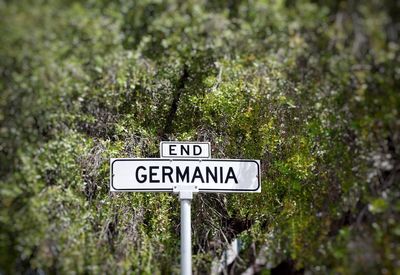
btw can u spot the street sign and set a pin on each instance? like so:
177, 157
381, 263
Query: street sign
185, 168
185, 149
165, 175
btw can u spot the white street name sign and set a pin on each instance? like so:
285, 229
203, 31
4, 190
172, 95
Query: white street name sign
165, 175
185, 149
185, 168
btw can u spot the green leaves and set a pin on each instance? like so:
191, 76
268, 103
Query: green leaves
308, 88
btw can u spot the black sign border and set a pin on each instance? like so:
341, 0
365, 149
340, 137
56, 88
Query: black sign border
180, 159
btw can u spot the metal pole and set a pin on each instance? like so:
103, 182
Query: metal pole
186, 238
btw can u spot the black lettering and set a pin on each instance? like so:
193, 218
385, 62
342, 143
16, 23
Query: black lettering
180, 176
153, 180
166, 173
197, 175
187, 149
231, 175
194, 150
209, 173
143, 177
172, 150
221, 180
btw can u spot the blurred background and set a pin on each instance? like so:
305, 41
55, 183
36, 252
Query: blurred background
311, 88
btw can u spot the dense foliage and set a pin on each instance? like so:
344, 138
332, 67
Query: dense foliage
311, 88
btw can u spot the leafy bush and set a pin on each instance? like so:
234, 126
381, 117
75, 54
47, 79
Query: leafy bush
308, 87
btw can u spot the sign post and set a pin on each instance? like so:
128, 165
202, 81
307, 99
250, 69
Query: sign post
186, 236
185, 168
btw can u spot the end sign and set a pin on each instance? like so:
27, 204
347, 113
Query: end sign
185, 165
186, 149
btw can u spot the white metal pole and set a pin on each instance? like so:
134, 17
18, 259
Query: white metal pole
186, 238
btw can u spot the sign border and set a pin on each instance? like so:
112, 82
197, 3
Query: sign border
185, 142
185, 159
